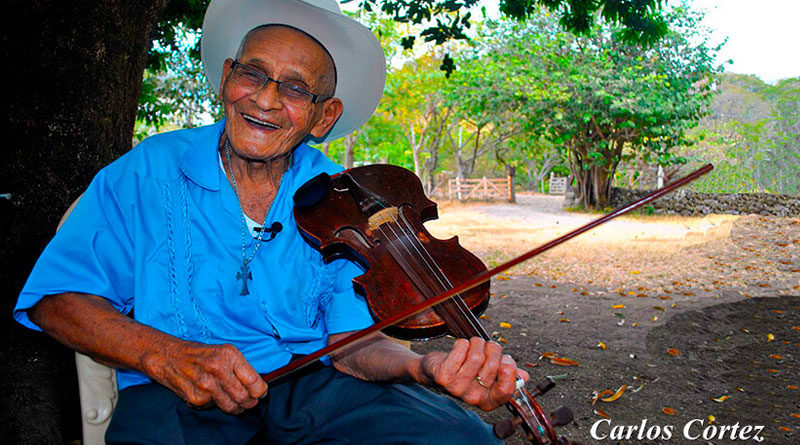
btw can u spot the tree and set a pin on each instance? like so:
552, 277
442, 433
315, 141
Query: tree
72, 81
603, 100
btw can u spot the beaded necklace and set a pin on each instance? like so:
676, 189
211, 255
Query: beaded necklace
244, 272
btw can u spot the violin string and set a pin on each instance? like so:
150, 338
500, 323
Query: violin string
441, 277
431, 269
459, 303
462, 309
436, 272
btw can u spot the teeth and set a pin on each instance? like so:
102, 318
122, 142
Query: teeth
260, 122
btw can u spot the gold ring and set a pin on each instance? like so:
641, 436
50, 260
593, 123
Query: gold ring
480, 382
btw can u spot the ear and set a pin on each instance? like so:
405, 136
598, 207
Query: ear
331, 111
226, 70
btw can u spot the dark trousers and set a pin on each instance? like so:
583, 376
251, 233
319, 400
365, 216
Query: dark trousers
323, 406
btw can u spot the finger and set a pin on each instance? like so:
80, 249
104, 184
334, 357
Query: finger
474, 360
492, 353
252, 381
506, 382
237, 392
465, 379
449, 367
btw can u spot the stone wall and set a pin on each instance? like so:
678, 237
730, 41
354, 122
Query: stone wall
687, 202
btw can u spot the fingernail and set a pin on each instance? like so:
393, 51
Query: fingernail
507, 359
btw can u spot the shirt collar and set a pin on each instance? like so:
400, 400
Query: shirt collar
199, 161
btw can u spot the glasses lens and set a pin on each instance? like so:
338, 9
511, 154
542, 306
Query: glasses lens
247, 77
295, 96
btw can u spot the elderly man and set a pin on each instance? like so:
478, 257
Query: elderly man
182, 265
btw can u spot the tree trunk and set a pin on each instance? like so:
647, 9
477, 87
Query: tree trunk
349, 148
72, 73
594, 186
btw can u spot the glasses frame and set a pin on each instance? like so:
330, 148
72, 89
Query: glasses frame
265, 80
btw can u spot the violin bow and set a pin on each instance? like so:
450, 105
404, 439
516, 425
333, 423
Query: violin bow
479, 279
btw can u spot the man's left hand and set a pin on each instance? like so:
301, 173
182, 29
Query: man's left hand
476, 371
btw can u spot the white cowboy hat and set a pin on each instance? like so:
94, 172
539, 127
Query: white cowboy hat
357, 54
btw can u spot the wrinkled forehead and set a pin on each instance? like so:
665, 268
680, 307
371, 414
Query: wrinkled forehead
298, 33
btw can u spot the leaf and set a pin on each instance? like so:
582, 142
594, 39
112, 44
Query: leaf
785, 428
673, 352
502, 278
659, 308
792, 387
557, 377
618, 306
602, 346
562, 361
635, 272
504, 324
565, 320
721, 399
795, 415
668, 411
484, 317
776, 356
601, 413
548, 355
502, 339
616, 395
532, 365
711, 419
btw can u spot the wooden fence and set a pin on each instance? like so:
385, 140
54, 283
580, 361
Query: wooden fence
484, 188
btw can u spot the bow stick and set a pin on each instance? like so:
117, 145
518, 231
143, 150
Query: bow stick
479, 279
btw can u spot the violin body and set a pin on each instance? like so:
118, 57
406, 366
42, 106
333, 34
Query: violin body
375, 215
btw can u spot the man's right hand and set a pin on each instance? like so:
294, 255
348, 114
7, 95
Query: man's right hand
200, 374
204, 374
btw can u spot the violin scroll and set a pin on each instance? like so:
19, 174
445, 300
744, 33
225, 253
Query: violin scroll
539, 428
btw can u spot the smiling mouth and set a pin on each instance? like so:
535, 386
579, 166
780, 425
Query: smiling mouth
260, 123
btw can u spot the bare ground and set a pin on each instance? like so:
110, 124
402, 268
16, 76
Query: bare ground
699, 317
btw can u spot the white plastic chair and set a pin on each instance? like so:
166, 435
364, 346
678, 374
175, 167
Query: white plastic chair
97, 386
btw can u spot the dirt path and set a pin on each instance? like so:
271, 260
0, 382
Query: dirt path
689, 310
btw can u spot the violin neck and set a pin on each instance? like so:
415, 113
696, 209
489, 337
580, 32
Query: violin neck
460, 320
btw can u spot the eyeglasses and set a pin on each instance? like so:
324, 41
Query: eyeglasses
291, 95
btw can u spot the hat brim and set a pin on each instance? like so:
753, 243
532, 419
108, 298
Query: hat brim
357, 54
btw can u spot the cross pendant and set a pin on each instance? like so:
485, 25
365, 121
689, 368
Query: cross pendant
244, 275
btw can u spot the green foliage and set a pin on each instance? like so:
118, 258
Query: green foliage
752, 137
177, 95
599, 99
642, 20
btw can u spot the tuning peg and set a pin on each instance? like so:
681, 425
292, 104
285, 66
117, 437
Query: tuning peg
503, 429
561, 416
544, 385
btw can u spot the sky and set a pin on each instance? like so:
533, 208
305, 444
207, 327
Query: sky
763, 36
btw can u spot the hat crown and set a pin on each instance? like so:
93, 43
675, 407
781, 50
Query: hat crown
328, 5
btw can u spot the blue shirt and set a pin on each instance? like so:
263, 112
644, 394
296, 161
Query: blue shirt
159, 232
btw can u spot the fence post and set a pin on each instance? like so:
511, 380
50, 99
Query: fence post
485, 186
458, 188
511, 173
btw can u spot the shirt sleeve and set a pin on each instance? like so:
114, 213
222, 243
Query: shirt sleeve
91, 253
346, 310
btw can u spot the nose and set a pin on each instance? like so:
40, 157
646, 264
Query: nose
267, 97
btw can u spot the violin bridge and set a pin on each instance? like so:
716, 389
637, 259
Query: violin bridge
383, 216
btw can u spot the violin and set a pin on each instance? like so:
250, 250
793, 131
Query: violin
417, 286
375, 215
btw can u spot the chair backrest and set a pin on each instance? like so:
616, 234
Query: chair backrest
97, 386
